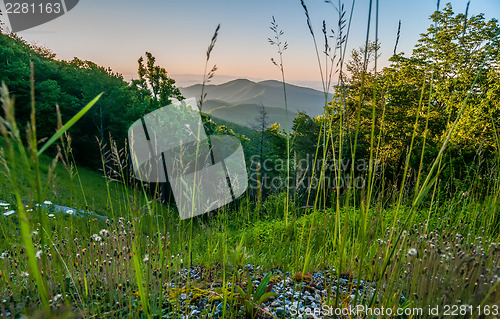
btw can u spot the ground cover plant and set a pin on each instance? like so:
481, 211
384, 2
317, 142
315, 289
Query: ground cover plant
389, 200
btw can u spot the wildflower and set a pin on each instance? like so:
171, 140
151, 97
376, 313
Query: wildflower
51, 215
34, 233
24, 274
69, 212
96, 238
4, 255
412, 252
38, 254
47, 202
146, 258
57, 297
10, 212
104, 233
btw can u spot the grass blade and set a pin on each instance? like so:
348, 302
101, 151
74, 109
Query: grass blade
69, 124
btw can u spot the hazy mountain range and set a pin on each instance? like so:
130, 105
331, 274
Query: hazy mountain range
240, 101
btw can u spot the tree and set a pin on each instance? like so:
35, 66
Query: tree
407, 110
261, 126
448, 57
454, 50
154, 83
305, 135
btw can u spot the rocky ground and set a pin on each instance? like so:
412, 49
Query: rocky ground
301, 296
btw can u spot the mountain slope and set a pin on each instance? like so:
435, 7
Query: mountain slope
267, 93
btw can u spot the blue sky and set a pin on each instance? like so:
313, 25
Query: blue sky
115, 33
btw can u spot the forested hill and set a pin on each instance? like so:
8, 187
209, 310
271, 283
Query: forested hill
71, 85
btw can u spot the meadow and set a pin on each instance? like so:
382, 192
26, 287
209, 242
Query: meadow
387, 203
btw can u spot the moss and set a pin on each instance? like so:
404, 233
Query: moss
198, 293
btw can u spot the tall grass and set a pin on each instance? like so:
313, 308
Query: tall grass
281, 48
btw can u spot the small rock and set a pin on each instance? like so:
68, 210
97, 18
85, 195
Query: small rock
195, 313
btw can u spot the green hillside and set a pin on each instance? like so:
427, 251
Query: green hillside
75, 187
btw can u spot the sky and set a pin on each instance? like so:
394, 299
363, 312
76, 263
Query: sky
115, 33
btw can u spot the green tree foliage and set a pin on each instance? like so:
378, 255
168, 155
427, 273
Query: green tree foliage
447, 57
154, 84
305, 135
455, 50
71, 85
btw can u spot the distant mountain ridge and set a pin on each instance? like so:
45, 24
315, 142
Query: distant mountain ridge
240, 100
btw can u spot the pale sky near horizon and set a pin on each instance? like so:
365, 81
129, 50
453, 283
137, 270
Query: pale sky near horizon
115, 33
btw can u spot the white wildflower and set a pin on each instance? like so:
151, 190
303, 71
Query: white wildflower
412, 252
10, 212
146, 258
24, 274
51, 215
47, 202
57, 297
4, 255
69, 212
104, 233
96, 238
38, 254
